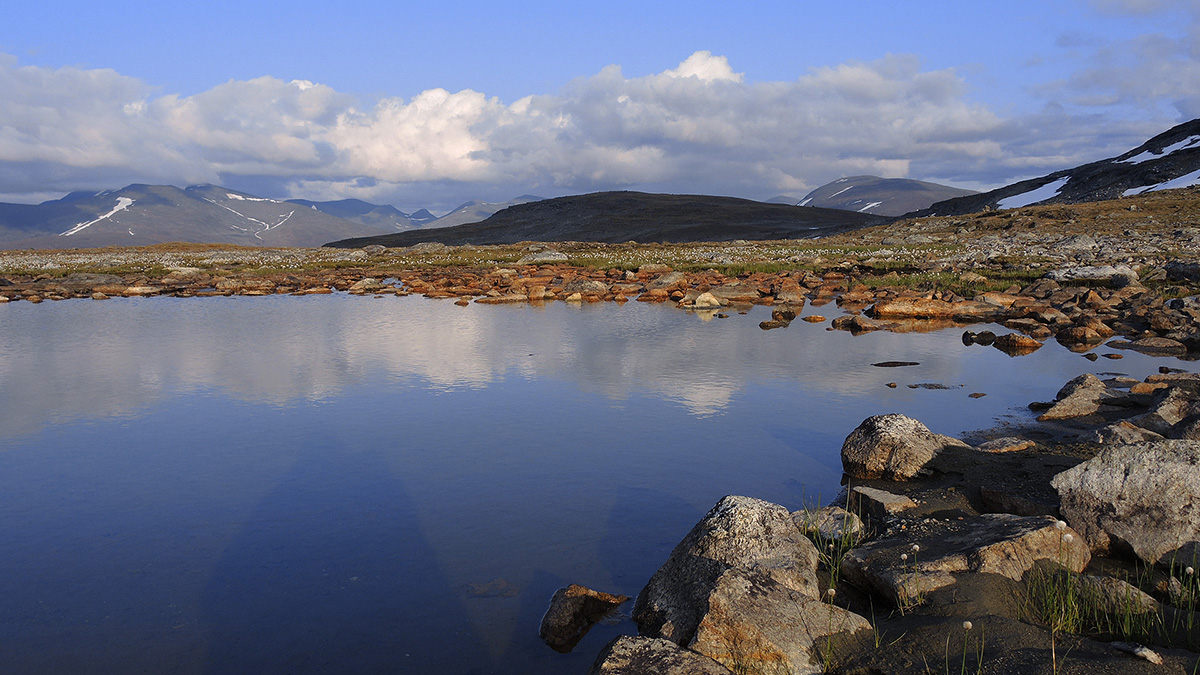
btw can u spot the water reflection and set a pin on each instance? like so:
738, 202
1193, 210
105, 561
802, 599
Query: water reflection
100, 359
341, 484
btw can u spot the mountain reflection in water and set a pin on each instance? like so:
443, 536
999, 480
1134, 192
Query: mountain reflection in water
346, 484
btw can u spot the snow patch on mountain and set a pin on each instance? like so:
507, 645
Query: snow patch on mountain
1186, 180
1148, 155
122, 204
1033, 196
249, 199
870, 206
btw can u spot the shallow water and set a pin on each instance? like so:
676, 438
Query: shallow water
346, 484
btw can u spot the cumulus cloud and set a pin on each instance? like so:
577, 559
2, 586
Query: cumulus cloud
697, 127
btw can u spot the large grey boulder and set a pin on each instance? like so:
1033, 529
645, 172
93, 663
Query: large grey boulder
1119, 276
739, 532
906, 566
893, 446
1143, 497
753, 624
628, 655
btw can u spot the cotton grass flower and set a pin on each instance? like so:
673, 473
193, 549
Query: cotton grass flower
967, 625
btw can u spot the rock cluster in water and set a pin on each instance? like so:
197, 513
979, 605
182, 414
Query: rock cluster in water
1058, 306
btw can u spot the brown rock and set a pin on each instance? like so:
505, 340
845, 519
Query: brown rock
1078, 335
572, 613
926, 308
1015, 344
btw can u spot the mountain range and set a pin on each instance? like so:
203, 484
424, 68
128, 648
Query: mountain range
140, 215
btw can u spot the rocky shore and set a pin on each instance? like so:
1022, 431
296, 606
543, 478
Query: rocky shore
1005, 556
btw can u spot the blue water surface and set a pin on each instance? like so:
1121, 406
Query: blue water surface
338, 484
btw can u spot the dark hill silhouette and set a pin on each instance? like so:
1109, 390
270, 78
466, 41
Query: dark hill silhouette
614, 217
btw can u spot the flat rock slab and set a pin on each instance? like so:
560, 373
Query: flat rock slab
1006, 444
1144, 497
739, 532
628, 655
878, 504
996, 543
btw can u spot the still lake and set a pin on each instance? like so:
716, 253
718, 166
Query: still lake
339, 484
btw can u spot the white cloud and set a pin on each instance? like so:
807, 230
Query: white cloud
704, 66
698, 127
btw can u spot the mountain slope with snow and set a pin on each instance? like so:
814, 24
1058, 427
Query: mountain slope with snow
880, 196
1169, 160
140, 215
475, 211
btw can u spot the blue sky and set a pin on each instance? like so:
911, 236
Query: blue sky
424, 105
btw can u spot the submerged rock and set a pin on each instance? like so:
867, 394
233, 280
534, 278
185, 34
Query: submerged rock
572, 613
